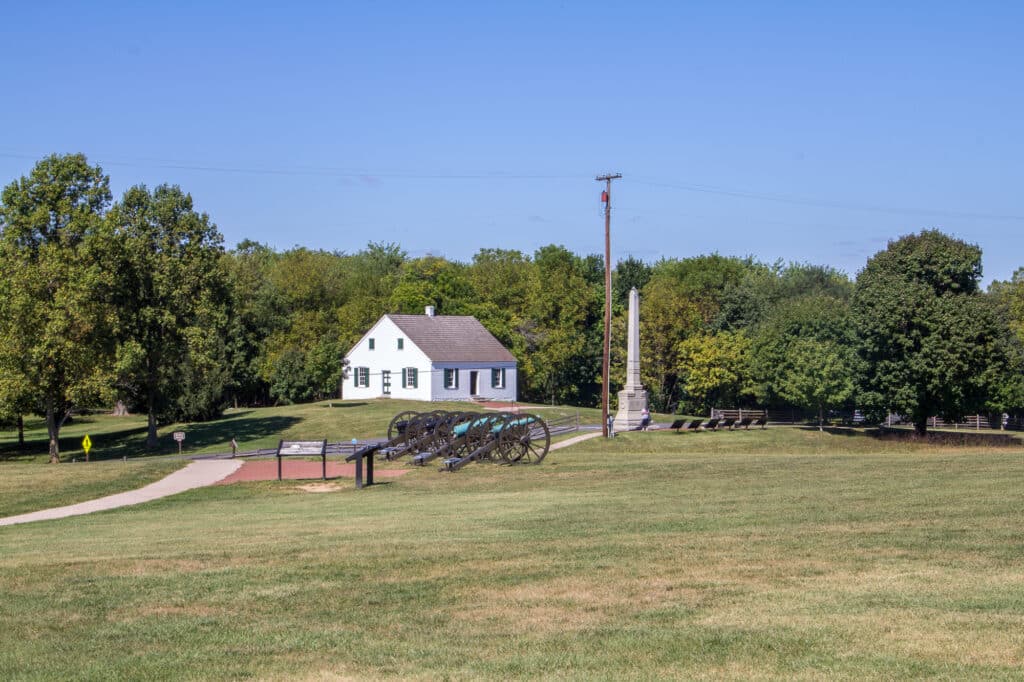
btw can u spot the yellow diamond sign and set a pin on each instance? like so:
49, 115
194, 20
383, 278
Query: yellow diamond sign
87, 444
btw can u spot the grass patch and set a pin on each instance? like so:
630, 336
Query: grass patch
26, 487
784, 554
252, 428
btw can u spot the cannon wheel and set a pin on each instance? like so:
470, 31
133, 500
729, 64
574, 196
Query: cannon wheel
482, 431
445, 431
423, 428
396, 427
526, 443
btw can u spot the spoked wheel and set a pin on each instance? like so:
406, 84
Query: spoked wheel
482, 430
416, 428
524, 440
399, 423
444, 432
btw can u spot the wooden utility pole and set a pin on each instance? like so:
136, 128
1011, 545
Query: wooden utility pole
605, 369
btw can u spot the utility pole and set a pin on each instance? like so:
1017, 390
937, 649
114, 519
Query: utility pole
605, 368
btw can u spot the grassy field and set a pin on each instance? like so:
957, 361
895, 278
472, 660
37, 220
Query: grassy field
782, 554
29, 486
252, 428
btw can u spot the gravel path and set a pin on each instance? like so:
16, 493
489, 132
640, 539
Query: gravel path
195, 475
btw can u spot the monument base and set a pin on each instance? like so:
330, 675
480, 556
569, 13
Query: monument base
631, 406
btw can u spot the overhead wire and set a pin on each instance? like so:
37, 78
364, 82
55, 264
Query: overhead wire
327, 171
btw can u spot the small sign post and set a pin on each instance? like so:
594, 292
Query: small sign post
87, 446
179, 436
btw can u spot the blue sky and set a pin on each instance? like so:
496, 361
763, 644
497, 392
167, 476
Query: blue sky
797, 131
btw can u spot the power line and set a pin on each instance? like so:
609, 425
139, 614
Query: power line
310, 171
369, 174
825, 203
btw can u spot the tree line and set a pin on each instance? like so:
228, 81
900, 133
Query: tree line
137, 300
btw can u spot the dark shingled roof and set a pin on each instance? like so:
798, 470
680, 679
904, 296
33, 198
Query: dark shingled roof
453, 338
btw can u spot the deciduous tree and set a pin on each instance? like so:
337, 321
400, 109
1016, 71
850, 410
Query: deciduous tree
929, 341
172, 305
55, 312
817, 375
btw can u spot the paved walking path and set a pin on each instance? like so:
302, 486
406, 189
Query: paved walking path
575, 439
196, 475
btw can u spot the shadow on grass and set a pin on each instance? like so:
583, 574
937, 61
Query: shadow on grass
947, 438
335, 406
131, 442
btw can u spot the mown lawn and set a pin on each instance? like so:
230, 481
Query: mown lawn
26, 487
782, 554
252, 428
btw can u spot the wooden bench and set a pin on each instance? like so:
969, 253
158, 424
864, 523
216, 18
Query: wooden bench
302, 448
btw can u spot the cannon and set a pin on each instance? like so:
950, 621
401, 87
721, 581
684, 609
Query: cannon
410, 432
508, 438
459, 438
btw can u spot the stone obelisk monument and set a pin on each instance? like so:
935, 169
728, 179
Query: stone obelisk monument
633, 398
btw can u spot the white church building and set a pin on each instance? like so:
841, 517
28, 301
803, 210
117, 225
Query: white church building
430, 357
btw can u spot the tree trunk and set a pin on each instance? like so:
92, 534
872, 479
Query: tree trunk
21, 431
151, 439
53, 431
921, 426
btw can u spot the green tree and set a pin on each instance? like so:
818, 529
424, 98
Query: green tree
172, 305
929, 340
818, 317
628, 274
55, 312
714, 370
432, 281
704, 279
817, 375
257, 310
667, 317
563, 352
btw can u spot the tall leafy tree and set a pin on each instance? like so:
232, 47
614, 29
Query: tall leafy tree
817, 375
257, 310
628, 274
172, 305
667, 317
816, 317
714, 370
564, 354
55, 312
929, 341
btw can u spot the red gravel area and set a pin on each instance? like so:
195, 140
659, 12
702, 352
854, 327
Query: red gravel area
266, 470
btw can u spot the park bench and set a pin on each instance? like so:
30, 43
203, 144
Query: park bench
302, 448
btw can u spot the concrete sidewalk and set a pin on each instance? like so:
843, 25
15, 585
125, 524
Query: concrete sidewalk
195, 475
575, 439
